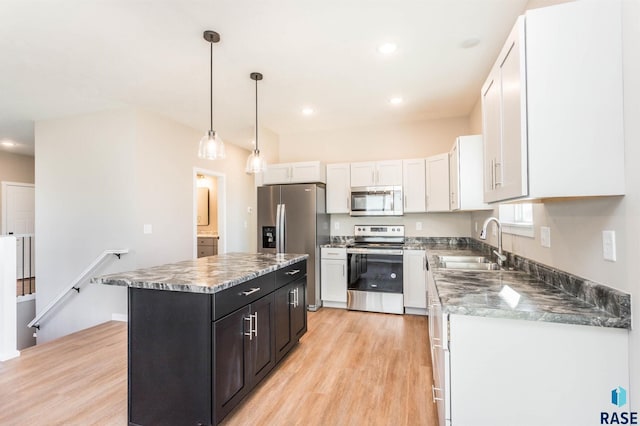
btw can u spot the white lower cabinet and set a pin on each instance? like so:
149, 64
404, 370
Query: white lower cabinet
502, 372
414, 282
333, 277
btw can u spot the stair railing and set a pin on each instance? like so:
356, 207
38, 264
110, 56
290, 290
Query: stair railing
75, 285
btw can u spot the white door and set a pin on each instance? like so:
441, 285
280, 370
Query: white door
18, 218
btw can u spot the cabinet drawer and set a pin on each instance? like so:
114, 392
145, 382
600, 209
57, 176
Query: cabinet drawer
240, 295
205, 241
206, 251
291, 273
339, 253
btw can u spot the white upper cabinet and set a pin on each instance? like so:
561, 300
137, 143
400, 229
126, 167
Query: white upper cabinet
414, 185
465, 174
552, 106
437, 183
338, 188
378, 173
302, 172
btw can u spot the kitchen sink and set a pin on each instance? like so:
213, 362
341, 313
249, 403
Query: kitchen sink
474, 263
463, 259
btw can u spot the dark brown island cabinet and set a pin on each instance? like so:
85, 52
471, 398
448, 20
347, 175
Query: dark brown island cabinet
194, 356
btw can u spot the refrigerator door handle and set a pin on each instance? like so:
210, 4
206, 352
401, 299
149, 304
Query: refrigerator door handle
278, 228
283, 229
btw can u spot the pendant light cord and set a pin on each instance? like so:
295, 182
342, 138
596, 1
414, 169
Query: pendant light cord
211, 86
256, 114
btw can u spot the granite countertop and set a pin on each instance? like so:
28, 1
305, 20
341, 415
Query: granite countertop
209, 274
513, 294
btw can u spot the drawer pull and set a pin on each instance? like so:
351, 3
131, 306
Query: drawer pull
253, 290
293, 272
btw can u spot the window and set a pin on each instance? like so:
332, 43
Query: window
517, 219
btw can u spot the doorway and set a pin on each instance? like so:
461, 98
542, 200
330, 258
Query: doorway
209, 213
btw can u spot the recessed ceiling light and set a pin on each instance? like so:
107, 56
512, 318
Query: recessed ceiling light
307, 110
396, 100
387, 48
470, 42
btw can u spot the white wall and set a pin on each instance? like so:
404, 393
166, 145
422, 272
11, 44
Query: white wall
381, 142
577, 225
101, 177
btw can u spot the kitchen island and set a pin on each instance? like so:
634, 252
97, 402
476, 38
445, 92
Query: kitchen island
202, 333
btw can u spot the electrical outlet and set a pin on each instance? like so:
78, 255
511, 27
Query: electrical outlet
336, 226
418, 226
545, 236
147, 228
609, 245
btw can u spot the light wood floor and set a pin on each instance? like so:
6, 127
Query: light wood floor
350, 368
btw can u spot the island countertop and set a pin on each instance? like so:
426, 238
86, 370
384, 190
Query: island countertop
204, 275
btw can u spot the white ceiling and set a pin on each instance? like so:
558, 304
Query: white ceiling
65, 57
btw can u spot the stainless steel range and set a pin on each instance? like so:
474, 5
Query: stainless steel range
375, 269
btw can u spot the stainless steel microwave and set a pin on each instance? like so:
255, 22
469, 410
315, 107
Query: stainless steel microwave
376, 201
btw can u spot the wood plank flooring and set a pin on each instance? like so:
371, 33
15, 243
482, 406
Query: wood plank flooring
24, 286
351, 368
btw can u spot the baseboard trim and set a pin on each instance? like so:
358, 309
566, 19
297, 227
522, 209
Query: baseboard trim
120, 317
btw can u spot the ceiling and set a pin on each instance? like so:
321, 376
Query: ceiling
67, 57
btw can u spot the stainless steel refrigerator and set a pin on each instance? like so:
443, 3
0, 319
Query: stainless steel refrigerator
293, 219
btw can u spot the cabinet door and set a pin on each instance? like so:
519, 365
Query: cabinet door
491, 129
231, 361
438, 183
415, 285
338, 188
414, 185
290, 315
284, 299
262, 343
333, 279
299, 309
363, 174
389, 173
454, 175
307, 172
511, 169
277, 173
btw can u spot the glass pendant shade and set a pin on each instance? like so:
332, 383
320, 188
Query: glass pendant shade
211, 147
255, 163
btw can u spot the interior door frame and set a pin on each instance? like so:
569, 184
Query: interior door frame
3, 187
222, 208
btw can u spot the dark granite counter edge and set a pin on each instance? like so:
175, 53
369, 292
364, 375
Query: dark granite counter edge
196, 288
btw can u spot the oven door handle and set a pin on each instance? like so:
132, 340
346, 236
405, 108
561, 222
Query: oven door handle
374, 251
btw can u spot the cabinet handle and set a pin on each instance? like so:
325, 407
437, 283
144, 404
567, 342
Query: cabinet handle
250, 334
496, 165
292, 297
492, 169
248, 292
255, 328
343, 268
349, 201
293, 272
297, 299
405, 201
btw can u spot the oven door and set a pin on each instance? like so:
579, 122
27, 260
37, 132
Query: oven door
375, 270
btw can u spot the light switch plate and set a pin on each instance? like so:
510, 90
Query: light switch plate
609, 245
545, 236
147, 228
418, 226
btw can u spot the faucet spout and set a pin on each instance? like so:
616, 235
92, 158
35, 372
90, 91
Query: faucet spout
483, 236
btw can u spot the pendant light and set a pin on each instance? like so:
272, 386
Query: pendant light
211, 146
256, 163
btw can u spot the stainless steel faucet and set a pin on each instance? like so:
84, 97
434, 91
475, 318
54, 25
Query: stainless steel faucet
483, 236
